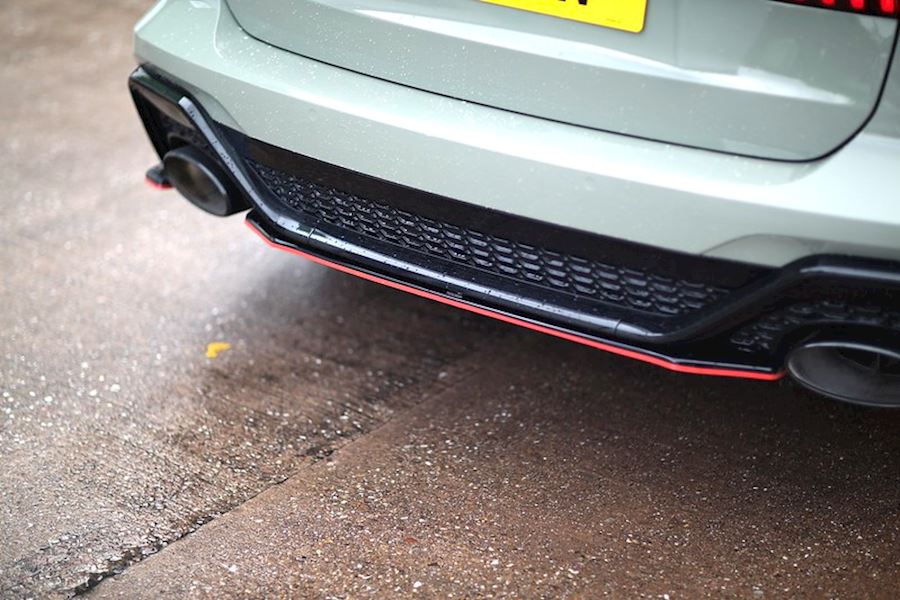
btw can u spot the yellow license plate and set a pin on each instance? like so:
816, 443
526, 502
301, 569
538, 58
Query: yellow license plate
628, 15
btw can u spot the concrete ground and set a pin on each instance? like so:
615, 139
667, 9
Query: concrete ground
354, 440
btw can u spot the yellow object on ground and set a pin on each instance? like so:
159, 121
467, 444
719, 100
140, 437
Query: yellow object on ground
213, 349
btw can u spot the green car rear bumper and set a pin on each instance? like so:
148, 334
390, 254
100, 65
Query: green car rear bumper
694, 260
693, 201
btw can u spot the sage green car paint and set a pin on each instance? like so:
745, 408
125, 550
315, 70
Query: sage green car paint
695, 201
751, 77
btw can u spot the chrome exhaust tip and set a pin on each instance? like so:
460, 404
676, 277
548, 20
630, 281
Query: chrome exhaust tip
859, 373
203, 182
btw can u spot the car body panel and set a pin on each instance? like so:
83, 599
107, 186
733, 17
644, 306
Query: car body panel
694, 201
750, 77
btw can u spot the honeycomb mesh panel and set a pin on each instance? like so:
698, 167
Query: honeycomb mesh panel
764, 334
528, 264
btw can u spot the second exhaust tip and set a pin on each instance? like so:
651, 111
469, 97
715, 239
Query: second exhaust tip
859, 373
203, 182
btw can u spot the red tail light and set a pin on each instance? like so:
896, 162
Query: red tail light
883, 8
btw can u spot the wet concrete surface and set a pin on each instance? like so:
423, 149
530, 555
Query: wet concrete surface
355, 440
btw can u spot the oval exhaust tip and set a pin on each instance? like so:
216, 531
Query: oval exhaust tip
858, 373
203, 182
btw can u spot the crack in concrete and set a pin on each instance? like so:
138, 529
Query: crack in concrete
134, 555
317, 454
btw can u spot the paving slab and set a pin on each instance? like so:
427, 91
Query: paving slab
555, 474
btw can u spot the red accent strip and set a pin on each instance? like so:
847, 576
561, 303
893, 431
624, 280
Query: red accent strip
156, 185
647, 358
